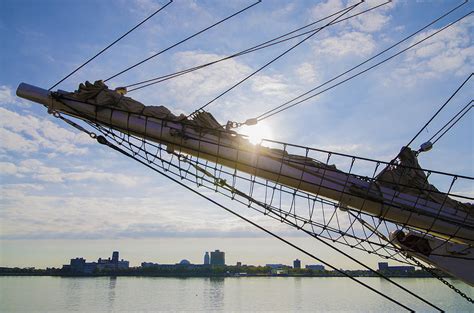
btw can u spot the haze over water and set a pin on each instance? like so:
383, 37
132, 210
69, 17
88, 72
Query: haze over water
246, 294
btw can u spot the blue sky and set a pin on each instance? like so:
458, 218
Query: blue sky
60, 190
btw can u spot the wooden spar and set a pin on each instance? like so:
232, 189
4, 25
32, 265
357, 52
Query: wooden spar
346, 189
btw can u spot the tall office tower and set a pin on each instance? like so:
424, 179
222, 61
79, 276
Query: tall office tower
296, 263
217, 258
115, 257
207, 261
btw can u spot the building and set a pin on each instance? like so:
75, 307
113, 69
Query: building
276, 266
207, 260
217, 258
184, 262
315, 267
149, 264
79, 265
279, 271
112, 263
239, 264
297, 264
383, 266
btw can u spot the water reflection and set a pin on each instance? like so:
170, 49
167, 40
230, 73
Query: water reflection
215, 295
111, 294
73, 290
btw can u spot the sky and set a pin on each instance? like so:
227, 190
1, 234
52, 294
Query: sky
63, 196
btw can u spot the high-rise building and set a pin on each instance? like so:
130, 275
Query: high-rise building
115, 257
207, 261
297, 264
383, 266
217, 258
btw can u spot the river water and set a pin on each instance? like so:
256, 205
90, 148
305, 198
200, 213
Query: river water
244, 294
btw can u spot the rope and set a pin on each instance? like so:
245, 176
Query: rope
455, 122
444, 281
282, 107
110, 45
73, 124
181, 41
258, 47
442, 107
275, 59
104, 141
222, 183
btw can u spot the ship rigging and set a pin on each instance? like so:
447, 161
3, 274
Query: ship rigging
387, 208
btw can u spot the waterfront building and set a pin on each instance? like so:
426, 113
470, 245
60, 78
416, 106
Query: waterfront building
79, 265
149, 264
217, 258
315, 267
276, 266
297, 264
112, 263
279, 271
184, 262
383, 266
207, 260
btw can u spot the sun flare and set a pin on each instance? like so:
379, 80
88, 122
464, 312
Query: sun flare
257, 132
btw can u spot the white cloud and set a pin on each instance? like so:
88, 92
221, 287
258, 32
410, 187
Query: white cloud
8, 168
347, 44
26, 133
369, 22
324, 9
7, 97
202, 84
27, 215
306, 72
11, 141
37, 170
449, 51
269, 85
195, 89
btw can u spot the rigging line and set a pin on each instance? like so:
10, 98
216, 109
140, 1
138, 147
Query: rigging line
185, 159
110, 45
364, 62
260, 46
442, 107
362, 72
141, 148
275, 59
445, 125
427, 269
107, 133
104, 141
371, 270
291, 223
444, 281
181, 41
454, 123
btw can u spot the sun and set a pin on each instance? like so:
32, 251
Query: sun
257, 132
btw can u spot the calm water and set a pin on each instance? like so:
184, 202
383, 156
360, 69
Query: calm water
267, 294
